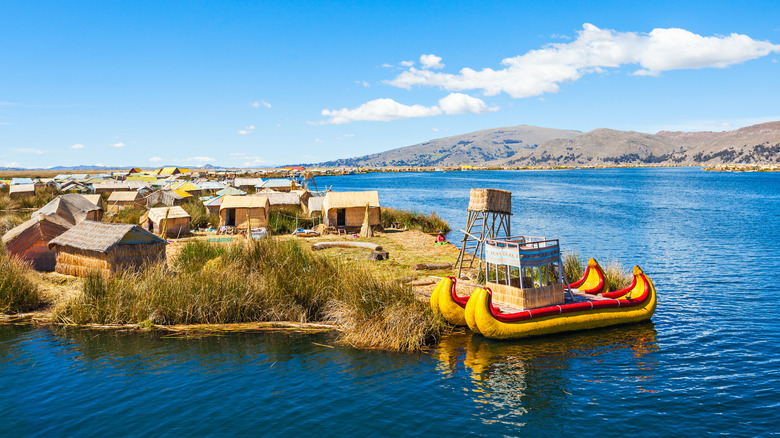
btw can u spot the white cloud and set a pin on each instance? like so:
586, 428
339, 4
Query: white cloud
247, 130
77, 146
260, 103
379, 110
199, 160
317, 140
155, 159
12, 164
435, 129
541, 71
557, 36
458, 103
118, 145
363, 83
386, 65
343, 136
385, 110
431, 62
255, 162
407, 63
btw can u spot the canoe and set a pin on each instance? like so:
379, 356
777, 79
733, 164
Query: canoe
592, 281
633, 304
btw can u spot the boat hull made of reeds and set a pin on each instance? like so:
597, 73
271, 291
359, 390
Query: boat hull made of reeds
633, 304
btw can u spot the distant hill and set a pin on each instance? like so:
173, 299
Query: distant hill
530, 145
488, 146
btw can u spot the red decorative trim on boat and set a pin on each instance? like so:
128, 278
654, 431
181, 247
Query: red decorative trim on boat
568, 308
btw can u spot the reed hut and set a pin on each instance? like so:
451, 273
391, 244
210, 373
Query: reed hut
30, 240
72, 207
314, 205
105, 247
167, 197
246, 184
119, 201
347, 209
276, 184
236, 210
16, 191
178, 221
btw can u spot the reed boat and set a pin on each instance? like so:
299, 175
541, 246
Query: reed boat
513, 305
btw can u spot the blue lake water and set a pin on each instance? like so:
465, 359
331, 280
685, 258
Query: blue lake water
708, 363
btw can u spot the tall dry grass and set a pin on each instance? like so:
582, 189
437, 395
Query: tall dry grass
430, 223
17, 292
267, 280
616, 276
573, 266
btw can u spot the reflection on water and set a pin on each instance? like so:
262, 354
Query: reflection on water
511, 379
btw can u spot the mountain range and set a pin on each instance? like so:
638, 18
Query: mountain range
531, 145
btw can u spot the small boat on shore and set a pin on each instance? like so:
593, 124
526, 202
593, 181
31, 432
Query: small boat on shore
512, 305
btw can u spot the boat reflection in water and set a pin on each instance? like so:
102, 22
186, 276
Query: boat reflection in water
568, 372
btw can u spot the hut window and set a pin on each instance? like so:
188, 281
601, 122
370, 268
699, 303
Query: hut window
341, 217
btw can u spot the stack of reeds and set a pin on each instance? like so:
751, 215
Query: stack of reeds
495, 200
529, 298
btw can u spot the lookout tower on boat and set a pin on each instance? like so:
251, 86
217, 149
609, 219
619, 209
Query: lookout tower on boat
490, 211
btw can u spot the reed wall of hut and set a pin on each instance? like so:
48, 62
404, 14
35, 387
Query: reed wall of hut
21, 191
119, 201
79, 263
236, 210
178, 221
348, 209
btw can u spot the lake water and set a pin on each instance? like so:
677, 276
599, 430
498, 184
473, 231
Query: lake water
708, 363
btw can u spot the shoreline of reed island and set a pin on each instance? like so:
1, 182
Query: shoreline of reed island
276, 284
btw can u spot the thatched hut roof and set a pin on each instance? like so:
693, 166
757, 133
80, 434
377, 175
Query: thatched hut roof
95, 199
282, 198
111, 186
350, 199
41, 227
244, 182
123, 196
103, 237
72, 207
244, 202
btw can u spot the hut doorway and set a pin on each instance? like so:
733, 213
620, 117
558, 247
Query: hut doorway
150, 225
341, 217
230, 217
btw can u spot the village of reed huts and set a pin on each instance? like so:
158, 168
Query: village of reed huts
67, 234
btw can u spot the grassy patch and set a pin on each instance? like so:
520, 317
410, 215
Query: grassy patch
267, 280
286, 220
431, 223
573, 266
17, 292
125, 216
199, 214
616, 276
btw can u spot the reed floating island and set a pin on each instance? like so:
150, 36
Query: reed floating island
526, 291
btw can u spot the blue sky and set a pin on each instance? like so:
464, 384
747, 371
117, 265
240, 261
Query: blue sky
270, 83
